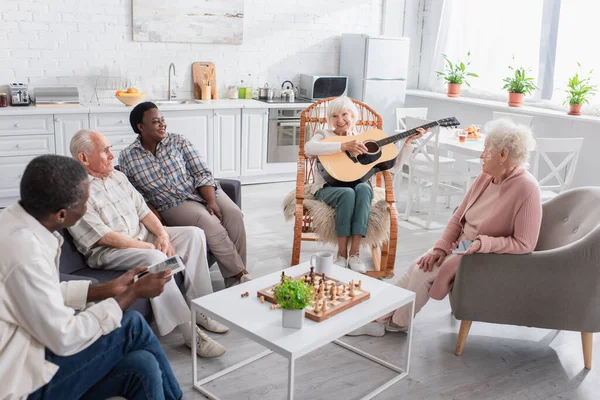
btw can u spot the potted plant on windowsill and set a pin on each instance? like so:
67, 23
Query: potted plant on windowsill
456, 75
579, 91
293, 296
518, 86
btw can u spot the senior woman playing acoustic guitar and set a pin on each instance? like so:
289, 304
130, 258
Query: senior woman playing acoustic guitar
501, 213
352, 204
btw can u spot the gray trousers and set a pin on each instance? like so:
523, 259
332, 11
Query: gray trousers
170, 308
226, 240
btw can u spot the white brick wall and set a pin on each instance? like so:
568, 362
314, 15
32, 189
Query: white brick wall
66, 42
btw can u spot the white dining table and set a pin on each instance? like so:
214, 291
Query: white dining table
472, 148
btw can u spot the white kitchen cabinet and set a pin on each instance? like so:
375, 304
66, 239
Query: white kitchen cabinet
227, 143
22, 138
116, 128
65, 127
197, 126
254, 140
10, 179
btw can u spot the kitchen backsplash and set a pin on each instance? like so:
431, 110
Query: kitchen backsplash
61, 42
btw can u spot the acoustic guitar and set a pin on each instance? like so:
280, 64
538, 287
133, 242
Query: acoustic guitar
347, 169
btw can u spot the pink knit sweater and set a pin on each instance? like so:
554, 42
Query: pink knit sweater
514, 224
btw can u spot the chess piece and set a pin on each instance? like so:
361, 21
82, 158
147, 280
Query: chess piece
324, 308
360, 284
321, 290
262, 299
282, 276
351, 294
317, 306
274, 306
333, 294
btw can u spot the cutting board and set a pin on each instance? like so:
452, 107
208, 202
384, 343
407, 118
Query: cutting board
203, 73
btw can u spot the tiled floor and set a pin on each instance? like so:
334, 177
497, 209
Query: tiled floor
499, 361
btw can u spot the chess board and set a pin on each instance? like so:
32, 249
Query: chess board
334, 307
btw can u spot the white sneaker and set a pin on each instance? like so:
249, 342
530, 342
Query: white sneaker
340, 261
205, 346
355, 264
389, 328
371, 329
210, 324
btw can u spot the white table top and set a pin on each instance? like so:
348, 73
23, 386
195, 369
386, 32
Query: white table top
263, 325
448, 141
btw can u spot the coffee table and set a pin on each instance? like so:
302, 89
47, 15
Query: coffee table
256, 321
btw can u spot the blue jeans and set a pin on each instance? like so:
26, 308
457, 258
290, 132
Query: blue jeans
352, 207
128, 362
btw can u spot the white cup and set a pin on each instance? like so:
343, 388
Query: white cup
322, 262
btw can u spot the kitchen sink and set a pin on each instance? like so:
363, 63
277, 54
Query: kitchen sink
176, 102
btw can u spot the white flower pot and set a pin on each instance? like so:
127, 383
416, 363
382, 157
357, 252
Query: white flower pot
292, 318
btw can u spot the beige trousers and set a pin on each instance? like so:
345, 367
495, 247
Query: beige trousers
171, 308
226, 240
420, 282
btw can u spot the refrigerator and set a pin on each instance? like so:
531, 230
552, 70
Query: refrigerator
377, 68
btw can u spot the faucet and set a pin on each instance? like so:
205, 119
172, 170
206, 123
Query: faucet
169, 95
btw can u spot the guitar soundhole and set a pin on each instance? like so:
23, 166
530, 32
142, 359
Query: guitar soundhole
372, 147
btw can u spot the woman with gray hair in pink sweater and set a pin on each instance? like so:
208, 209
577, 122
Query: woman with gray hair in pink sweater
501, 213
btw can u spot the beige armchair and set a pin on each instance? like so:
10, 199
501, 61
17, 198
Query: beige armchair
555, 287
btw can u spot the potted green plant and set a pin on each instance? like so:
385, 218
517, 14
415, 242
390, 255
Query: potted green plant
456, 75
518, 86
579, 91
293, 296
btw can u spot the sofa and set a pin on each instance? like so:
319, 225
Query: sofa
73, 266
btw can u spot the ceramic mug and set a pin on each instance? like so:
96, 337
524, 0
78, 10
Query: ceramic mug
322, 261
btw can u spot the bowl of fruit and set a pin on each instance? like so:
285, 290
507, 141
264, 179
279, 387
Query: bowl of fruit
130, 97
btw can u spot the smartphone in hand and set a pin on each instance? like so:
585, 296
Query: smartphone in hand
174, 263
463, 247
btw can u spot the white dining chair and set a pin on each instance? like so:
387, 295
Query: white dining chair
421, 157
559, 156
522, 119
440, 180
402, 113
474, 164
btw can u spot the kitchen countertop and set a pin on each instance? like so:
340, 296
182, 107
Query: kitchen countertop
117, 108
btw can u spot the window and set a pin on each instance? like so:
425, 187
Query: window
546, 37
577, 31
487, 29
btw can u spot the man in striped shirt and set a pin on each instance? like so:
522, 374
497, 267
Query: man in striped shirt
119, 231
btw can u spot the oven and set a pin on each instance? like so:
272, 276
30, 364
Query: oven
283, 137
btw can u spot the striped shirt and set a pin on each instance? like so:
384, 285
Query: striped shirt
113, 206
169, 178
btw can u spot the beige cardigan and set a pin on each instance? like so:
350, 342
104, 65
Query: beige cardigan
314, 147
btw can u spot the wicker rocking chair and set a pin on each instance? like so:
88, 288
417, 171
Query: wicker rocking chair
312, 119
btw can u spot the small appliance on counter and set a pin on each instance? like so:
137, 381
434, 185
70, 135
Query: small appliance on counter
57, 96
19, 94
316, 87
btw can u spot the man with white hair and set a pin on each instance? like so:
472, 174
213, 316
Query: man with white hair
119, 231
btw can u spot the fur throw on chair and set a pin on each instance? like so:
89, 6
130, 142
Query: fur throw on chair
323, 217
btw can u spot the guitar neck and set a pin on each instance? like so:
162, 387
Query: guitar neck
405, 134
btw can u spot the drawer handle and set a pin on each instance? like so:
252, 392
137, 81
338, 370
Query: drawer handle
18, 124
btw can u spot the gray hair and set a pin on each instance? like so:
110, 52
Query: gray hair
517, 138
339, 104
82, 141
